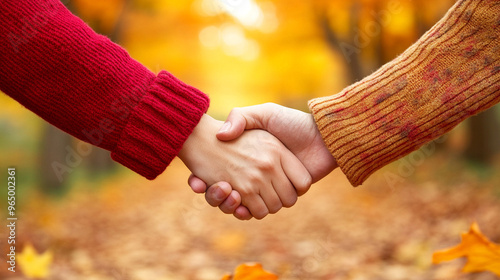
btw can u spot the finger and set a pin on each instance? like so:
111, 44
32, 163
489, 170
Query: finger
196, 184
217, 193
251, 117
255, 205
296, 173
230, 204
233, 127
271, 196
242, 213
284, 189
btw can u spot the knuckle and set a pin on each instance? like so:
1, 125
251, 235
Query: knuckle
276, 208
289, 202
225, 210
228, 206
238, 216
266, 163
269, 105
235, 110
308, 182
304, 186
262, 215
254, 180
247, 190
210, 200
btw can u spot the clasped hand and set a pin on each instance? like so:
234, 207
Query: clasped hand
263, 158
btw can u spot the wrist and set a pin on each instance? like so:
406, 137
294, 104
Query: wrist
199, 138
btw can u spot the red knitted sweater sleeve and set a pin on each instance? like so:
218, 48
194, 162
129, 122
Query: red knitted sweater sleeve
56, 66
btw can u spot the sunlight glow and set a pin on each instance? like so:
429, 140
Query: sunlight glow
246, 11
210, 37
231, 37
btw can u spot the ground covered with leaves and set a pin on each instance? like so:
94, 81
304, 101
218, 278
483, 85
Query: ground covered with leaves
128, 228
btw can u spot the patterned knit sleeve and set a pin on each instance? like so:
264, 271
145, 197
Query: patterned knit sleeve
450, 74
56, 66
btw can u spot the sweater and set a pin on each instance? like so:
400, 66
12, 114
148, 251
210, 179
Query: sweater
58, 67
448, 75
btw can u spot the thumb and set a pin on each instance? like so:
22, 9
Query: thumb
196, 184
234, 126
253, 117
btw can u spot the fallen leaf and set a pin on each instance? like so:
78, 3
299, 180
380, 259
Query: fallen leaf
250, 272
34, 265
481, 253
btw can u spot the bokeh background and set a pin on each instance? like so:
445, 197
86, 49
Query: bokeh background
102, 221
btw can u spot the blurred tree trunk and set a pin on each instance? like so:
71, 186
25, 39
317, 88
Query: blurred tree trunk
99, 161
53, 151
55, 143
484, 137
349, 49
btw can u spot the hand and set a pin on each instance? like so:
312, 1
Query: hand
257, 165
296, 130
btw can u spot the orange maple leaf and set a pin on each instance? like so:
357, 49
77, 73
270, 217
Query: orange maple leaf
481, 253
250, 272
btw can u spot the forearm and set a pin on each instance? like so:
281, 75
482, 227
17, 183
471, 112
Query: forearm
57, 67
450, 74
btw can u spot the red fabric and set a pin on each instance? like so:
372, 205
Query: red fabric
56, 66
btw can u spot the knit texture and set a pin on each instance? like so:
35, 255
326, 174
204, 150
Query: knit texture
58, 67
450, 74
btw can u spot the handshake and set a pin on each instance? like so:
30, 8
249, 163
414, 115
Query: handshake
256, 172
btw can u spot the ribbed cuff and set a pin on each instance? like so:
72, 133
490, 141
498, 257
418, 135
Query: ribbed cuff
159, 125
343, 138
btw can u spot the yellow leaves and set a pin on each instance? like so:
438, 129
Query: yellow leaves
34, 265
482, 254
250, 272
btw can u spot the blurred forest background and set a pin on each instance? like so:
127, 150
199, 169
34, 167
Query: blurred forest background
105, 222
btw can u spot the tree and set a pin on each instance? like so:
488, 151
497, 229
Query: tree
484, 129
55, 144
484, 137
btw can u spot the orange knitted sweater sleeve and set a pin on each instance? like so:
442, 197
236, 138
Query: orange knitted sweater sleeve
450, 74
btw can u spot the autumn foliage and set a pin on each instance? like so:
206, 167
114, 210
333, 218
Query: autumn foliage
250, 272
121, 226
481, 253
35, 265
